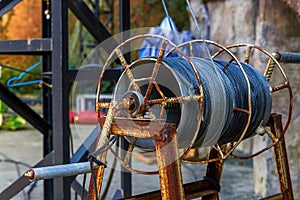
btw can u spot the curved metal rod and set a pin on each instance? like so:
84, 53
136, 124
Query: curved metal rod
125, 165
255, 154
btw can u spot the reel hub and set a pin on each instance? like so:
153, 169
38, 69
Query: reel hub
132, 104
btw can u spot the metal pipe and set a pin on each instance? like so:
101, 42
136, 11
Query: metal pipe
287, 57
50, 172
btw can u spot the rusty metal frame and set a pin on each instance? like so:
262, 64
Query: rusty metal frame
282, 164
168, 161
169, 180
170, 175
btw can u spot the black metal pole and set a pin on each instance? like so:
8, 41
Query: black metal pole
47, 96
124, 10
60, 90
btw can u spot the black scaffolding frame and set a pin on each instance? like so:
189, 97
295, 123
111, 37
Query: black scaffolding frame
54, 125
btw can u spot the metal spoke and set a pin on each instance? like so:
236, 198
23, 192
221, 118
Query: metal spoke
173, 100
218, 148
269, 69
100, 105
248, 52
279, 87
129, 151
242, 110
105, 133
127, 69
191, 49
156, 67
228, 64
271, 135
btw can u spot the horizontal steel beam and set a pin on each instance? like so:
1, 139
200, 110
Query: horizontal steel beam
24, 47
24, 110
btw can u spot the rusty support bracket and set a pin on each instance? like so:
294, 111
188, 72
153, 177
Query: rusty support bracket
168, 159
281, 158
168, 163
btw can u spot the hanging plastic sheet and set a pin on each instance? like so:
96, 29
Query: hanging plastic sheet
167, 28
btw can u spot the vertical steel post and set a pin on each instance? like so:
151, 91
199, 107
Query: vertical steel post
124, 12
47, 96
169, 164
60, 88
281, 159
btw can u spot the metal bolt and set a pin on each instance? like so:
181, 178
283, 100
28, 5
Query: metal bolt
165, 135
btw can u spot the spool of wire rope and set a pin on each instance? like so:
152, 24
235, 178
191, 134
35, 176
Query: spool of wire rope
223, 91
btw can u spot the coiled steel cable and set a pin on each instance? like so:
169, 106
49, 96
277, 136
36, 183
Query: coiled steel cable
261, 101
224, 91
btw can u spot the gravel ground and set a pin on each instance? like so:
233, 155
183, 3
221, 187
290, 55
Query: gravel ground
25, 147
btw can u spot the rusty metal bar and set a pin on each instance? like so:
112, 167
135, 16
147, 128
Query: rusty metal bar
127, 69
279, 87
228, 64
192, 190
273, 197
281, 159
248, 52
269, 69
169, 164
136, 128
99, 172
214, 171
155, 68
103, 137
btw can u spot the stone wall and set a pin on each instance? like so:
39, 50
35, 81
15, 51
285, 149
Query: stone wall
275, 26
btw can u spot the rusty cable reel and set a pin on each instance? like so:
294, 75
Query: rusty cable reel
164, 89
149, 90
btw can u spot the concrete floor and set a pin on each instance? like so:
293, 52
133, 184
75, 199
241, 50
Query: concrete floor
25, 146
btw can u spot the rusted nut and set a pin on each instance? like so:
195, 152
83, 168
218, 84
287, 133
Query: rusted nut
29, 174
